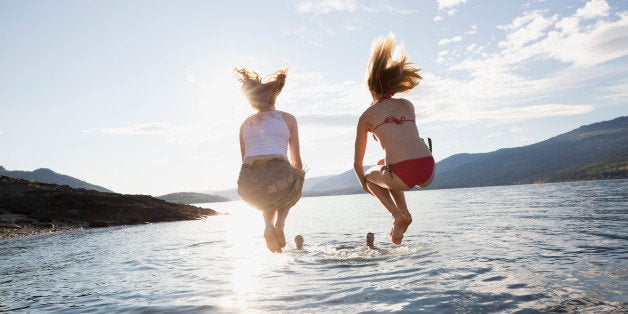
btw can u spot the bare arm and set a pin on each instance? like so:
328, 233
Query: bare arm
293, 143
242, 147
360, 149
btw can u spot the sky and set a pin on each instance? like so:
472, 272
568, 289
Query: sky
139, 96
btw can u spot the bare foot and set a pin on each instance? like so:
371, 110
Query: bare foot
399, 228
281, 237
271, 240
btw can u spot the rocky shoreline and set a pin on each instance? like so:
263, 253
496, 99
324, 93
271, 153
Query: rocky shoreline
28, 207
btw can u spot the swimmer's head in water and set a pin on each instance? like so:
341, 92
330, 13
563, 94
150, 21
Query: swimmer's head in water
298, 240
370, 240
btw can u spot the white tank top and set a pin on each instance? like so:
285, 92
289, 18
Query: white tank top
266, 134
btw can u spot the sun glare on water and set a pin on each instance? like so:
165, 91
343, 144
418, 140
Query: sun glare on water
249, 255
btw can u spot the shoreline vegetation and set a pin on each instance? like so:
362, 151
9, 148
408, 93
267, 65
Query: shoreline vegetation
28, 207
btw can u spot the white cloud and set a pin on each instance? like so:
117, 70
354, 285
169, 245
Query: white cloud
327, 6
438, 18
530, 112
472, 47
149, 128
188, 135
473, 30
331, 6
390, 10
441, 56
593, 9
530, 28
352, 27
447, 41
574, 40
311, 92
501, 76
452, 12
590, 45
616, 91
446, 4
190, 77
307, 35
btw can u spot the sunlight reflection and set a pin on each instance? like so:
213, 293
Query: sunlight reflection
244, 229
244, 225
249, 260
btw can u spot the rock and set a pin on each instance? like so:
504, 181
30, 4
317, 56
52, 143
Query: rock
50, 205
98, 224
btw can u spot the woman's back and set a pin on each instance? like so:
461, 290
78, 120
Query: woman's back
392, 121
265, 133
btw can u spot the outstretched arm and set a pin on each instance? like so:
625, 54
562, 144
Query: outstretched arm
360, 149
293, 143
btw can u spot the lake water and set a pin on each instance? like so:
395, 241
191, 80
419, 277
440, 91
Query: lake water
528, 248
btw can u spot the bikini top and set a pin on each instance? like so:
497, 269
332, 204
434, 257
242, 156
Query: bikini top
389, 119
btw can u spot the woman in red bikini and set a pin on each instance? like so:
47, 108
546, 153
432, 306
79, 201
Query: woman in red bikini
408, 160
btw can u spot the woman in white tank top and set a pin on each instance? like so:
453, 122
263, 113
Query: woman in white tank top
271, 177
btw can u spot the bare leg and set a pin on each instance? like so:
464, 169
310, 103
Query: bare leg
269, 232
401, 225
282, 214
384, 197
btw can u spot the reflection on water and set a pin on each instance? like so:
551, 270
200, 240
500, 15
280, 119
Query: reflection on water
551, 247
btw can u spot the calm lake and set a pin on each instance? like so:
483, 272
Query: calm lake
528, 248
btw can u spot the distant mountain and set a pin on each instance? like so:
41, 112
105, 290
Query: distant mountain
312, 182
586, 149
344, 180
48, 176
341, 184
592, 152
192, 198
614, 166
231, 194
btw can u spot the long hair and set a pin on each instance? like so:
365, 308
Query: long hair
261, 95
385, 75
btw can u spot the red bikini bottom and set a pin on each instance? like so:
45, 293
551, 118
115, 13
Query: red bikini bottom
413, 171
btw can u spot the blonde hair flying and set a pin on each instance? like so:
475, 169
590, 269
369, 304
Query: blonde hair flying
261, 95
387, 76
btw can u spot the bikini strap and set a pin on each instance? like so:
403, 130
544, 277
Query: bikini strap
386, 96
394, 119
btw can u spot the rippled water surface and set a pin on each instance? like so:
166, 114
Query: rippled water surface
531, 248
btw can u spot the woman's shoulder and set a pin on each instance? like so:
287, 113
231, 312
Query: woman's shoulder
403, 101
405, 104
286, 115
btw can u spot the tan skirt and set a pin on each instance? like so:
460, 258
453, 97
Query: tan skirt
270, 183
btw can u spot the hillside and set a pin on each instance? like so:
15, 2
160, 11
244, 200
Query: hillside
342, 181
48, 176
540, 162
192, 198
614, 166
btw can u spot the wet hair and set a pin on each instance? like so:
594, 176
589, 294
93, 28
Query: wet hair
386, 75
298, 238
261, 95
